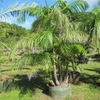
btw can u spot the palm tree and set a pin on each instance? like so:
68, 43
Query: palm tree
90, 25
49, 43
96, 30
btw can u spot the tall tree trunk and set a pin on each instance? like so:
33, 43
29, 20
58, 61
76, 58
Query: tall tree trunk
55, 75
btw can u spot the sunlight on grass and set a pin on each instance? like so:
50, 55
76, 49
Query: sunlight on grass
85, 92
87, 89
14, 95
79, 92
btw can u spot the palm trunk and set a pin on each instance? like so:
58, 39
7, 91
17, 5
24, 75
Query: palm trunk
60, 73
66, 79
55, 75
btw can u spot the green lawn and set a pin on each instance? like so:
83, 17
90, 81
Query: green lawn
87, 89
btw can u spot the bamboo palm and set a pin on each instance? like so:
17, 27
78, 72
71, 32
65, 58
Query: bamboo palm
50, 32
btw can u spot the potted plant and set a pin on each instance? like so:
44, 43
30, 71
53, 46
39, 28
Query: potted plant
67, 56
57, 61
52, 47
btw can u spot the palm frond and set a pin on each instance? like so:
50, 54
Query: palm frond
56, 22
96, 34
96, 10
4, 45
41, 60
79, 6
98, 2
96, 29
77, 37
40, 41
17, 10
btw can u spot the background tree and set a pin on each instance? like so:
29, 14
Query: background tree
10, 34
89, 25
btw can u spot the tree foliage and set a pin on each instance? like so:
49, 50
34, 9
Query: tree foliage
10, 34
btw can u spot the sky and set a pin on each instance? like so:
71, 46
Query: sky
27, 24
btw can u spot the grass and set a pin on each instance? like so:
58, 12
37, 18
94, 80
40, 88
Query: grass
87, 89
85, 92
